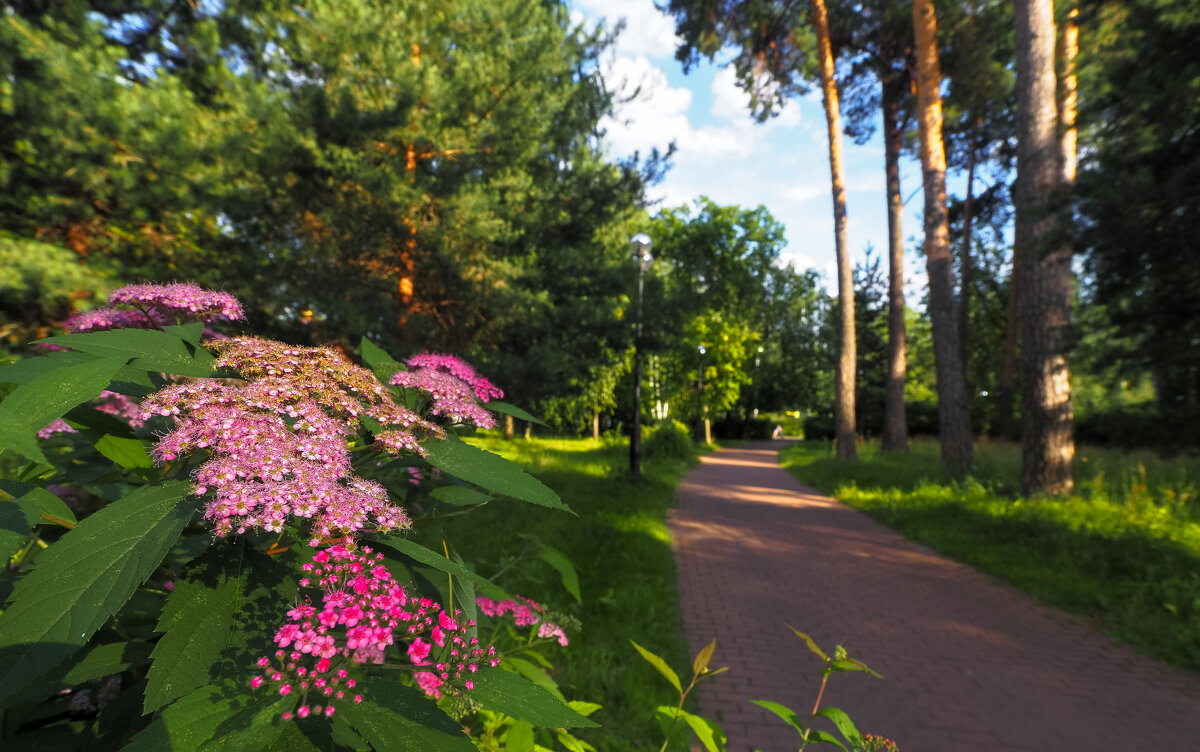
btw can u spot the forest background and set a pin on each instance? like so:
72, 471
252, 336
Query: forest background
432, 175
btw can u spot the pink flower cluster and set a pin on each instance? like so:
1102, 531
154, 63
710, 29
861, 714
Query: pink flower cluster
451, 396
526, 613
158, 305
362, 612
484, 389
277, 444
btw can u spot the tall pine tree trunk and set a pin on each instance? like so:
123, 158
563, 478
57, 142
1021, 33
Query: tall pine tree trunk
964, 258
895, 422
1047, 421
847, 353
954, 417
1008, 372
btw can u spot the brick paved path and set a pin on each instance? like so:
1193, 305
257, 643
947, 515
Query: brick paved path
970, 665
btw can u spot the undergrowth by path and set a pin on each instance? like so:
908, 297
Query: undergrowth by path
620, 544
1124, 551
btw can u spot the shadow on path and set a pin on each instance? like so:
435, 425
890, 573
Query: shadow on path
970, 665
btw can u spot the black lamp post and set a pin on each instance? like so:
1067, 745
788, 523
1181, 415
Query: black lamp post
641, 244
700, 391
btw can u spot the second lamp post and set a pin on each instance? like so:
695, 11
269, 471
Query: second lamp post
641, 244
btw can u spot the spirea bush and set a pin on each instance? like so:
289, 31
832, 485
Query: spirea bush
205, 543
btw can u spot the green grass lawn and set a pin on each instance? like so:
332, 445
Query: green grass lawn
1123, 551
620, 545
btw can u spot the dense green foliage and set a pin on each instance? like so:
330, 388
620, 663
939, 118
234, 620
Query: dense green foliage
620, 546
1124, 551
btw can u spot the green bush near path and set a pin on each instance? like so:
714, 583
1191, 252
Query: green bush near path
1124, 551
620, 545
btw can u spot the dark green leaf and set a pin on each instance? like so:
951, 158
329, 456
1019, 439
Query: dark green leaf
565, 569
190, 333
459, 496
824, 737
195, 624
47, 505
152, 350
292, 739
490, 471
128, 453
190, 722
396, 718
21, 439
661, 666
525, 701
28, 369
534, 674
423, 555
378, 360
15, 528
39, 402
84, 578
497, 406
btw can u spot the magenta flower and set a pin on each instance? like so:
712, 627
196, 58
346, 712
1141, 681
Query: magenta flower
364, 611
526, 613
451, 396
484, 389
158, 305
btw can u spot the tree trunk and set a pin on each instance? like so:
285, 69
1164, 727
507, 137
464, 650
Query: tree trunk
954, 416
528, 430
964, 260
895, 422
508, 426
596, 425
1047, 421
1008, 385
1069, 105
847, 354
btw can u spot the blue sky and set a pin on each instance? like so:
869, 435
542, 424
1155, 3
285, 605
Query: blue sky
723, 153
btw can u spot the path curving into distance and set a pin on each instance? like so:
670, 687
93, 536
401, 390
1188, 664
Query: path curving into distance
969, 664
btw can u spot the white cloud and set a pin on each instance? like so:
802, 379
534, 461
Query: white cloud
648, 31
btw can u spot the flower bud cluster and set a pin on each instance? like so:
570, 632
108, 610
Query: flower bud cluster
484, 389
158, 305
526, 613
363, 612
451, 397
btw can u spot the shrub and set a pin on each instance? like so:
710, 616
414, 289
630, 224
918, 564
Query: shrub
669, 439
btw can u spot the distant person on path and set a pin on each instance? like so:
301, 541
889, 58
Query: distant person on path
778, 432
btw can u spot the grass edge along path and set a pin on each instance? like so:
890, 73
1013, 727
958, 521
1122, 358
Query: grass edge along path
1128, 562
620, 545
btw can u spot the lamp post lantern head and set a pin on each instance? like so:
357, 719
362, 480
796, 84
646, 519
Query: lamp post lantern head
701, 349
642, 244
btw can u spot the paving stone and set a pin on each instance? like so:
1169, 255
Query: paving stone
969, 663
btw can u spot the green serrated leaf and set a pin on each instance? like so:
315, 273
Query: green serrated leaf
519, 738
523, 700
292, 739
459, 496
661, 666
425, 556
15, 528
128, 453
787, 714
505, 408
850, 664
195, 624
22, 439
39, 402
490, 471
566, 570
812, 645
844, 725
151, 349
47, 505
534, 674
190, 333
378, 360
84, 578
192, 721
395, 717
28, 369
